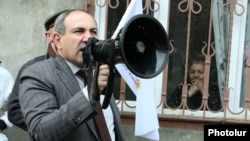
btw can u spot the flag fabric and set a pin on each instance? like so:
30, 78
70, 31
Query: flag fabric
134, 8
146, 122
146, 119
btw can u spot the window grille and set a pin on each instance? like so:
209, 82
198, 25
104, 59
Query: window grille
217, 30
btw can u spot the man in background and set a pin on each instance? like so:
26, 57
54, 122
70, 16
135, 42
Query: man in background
14, 112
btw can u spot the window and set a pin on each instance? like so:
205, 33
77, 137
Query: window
218, 30
189, 35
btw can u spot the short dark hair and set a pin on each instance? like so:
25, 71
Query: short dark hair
51, 20
59, 23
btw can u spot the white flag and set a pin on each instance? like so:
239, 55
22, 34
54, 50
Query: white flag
134, 8
146, 120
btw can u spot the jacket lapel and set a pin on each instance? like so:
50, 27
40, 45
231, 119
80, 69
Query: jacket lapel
68, 78
66, 75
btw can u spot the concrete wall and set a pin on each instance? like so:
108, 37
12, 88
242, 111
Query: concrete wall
22, 28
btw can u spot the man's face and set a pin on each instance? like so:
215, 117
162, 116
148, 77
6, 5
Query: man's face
79, 26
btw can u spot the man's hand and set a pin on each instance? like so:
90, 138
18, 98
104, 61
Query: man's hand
103, 77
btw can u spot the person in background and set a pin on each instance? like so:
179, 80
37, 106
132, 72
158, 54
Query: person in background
14, 111
55, 101
6, 84
194, 94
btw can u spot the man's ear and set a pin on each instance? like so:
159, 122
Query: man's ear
46, 34
57, 40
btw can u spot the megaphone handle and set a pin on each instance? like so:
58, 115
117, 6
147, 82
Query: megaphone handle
109, 88
108, 92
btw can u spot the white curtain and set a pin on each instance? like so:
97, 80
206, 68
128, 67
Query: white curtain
221, 23
246, 55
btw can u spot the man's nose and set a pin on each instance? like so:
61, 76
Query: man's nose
87, 35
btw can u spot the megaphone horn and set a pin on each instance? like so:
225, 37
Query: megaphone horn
142, 45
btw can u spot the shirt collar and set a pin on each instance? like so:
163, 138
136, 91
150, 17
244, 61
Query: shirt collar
73, 67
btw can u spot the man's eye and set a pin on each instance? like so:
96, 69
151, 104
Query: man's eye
78, 31
94, 32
